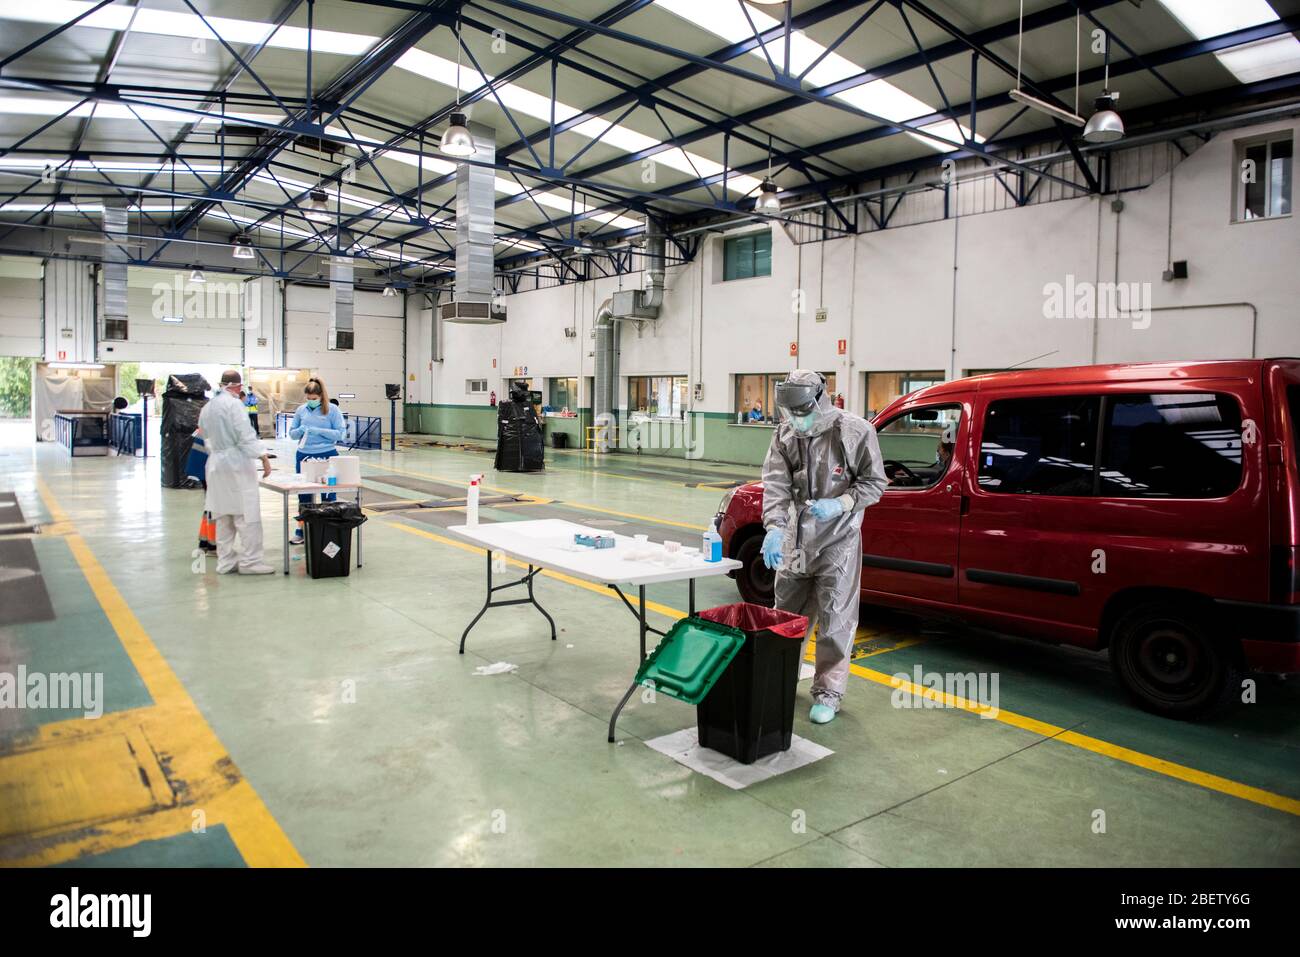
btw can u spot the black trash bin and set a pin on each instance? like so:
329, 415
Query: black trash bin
327, 530
749, 713
559, 440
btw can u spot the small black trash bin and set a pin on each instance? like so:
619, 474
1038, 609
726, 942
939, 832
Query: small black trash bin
559, 440
328, 537
749, 713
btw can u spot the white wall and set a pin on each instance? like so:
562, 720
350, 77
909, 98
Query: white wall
20, 307
891, 295
375, 360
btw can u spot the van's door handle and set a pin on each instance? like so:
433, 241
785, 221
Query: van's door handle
965, 505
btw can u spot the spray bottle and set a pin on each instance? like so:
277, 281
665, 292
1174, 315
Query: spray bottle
471, 501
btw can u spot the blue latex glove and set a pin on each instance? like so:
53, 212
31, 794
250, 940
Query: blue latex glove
772, 547
824, 509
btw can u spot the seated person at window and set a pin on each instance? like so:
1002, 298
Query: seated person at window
924, 476
756, 413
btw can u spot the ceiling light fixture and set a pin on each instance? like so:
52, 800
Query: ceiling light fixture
458, 141
241, 247
1033, 102
1105, 126
196, 275
389, 292
768, 201
318, 206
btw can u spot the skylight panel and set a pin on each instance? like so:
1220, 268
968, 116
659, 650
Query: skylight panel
1250, 62
878, 97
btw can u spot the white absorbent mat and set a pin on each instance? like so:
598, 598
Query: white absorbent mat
684, 748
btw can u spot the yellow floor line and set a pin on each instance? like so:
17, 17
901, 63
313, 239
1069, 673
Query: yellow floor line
1073, 738
1127, 755
642, 518
537, 500
178, 731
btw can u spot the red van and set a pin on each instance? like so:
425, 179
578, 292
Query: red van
1150, 509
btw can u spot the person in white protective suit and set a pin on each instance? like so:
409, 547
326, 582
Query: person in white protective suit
823, 469
232, 495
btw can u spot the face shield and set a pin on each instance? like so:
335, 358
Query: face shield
800, 400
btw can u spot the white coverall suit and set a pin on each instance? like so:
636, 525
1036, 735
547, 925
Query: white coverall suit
233, 497
821, 566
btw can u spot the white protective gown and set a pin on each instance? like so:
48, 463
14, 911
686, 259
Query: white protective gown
233, 497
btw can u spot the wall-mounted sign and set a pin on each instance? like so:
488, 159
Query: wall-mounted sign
842, 346
794, 348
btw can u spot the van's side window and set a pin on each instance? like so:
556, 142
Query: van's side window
1172, 445
1040, 446
918, 445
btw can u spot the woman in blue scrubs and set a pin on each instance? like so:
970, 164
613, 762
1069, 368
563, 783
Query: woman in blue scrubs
317, 426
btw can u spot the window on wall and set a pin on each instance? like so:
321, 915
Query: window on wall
744, 257
659, 396
884, 387
115, 330
563, 393
1263, 178
476, 386
756, 396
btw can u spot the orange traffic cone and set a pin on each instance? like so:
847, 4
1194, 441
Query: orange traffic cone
207, 532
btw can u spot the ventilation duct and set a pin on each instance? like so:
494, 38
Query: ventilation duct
473, 300
637, 304
114, 262
341, 296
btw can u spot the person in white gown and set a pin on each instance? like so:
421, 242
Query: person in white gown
232, 495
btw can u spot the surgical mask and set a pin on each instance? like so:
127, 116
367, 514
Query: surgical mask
803, 423
313, 403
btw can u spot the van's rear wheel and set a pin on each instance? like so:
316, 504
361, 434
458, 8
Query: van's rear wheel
1170, 665
757, 582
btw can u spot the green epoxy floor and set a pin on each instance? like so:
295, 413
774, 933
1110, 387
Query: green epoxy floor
432, 765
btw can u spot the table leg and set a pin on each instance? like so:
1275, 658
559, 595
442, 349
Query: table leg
285, 543
691, 607
359, 527
642, 629
487, 603
527, 580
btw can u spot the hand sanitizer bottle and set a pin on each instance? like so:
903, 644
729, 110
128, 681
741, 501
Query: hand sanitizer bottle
331, 476
712, 549
471, 501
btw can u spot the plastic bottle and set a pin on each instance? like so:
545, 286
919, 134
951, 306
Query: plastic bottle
331, 477
471, 501
712, 546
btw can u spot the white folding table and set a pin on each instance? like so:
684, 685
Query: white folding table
548, 543
290, 483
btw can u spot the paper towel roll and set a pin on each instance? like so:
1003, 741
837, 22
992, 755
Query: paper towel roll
348, 469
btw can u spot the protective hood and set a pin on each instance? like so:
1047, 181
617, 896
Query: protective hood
803, 399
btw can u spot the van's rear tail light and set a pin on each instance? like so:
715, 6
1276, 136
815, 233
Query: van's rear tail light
1285, 585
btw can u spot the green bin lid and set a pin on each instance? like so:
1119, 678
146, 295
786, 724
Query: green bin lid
690, 659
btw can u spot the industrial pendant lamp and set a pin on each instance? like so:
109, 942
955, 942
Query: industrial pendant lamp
196, 274
318, 206
458, 141
241, 247
768, 200
1105, 126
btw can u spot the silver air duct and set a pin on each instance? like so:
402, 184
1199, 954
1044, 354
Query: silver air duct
638, 304
342, 294
116, 254
475, 235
